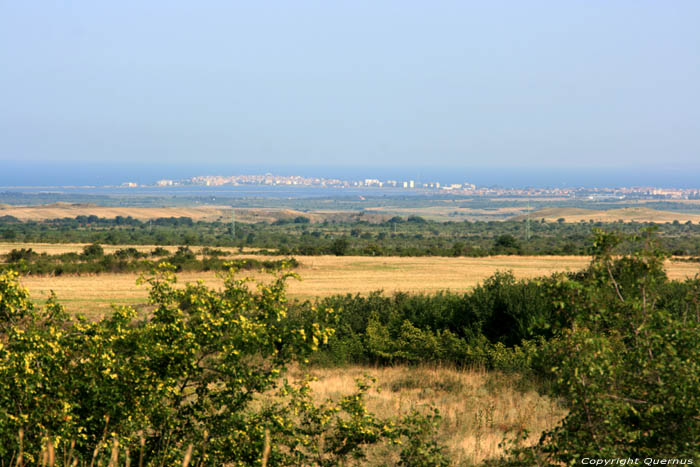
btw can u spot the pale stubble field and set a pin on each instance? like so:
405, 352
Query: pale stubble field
321, 276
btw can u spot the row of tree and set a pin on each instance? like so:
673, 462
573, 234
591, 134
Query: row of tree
412, 236
93, 260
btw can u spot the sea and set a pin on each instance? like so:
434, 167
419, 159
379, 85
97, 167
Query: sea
103, 178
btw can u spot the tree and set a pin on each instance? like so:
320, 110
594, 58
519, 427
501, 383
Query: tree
627, 360
94, 250
340, 246
506, 243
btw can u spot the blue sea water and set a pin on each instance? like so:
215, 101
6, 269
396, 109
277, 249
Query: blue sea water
15, 174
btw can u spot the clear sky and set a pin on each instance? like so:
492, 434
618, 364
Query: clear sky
492, 84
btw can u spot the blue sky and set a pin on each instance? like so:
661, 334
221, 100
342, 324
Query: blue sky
564, 85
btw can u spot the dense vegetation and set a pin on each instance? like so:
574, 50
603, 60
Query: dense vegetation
93, 260
464, 329
199, 379
618, 342
398, 236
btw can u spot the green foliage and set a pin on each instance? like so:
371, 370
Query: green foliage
93, 260
628, 367
339, 247
506, 244
93, 250
474, 328
411, 236
201, 375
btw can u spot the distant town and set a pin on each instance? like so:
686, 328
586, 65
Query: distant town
464, 189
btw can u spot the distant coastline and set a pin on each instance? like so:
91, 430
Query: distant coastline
59, 174
296, 187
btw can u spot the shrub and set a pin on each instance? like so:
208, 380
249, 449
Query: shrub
94, 250
199, 379
629, 368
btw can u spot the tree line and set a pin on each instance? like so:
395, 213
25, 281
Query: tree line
398, 236
93, 260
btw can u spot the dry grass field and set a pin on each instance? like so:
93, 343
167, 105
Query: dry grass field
197, 213
631, 214
450, 210
321, 276
440, 211
61, 210
478, 408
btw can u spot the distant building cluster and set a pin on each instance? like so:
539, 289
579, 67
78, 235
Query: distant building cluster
267, 179
283, 180
465, 188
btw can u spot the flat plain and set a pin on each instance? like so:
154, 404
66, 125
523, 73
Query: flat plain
625, 214
495, 209
209, 213
320, 276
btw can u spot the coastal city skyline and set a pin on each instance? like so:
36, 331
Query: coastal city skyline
435, 186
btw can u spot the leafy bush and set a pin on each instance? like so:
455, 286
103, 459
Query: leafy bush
159, 251
462, 329
199, 379
94, 250
628, 366
26, 254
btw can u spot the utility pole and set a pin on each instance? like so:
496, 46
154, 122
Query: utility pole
527, 221
233, 223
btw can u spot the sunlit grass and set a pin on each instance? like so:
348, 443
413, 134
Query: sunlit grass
327, 275
478, 408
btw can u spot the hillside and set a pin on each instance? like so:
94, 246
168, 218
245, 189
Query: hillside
632, 214
197, 213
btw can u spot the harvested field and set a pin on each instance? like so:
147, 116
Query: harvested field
61, 210
329, 275
196, 213
632, 214
450, 211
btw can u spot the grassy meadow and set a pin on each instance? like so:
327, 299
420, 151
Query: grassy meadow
478, 408
61, 210
321, 276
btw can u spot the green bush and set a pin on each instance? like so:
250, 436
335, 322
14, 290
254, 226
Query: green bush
200, 378
628, 367
461, 329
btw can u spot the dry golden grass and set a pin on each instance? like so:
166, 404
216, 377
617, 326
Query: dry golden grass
478, 408
321, 276
448, 210
60, 210
197, 213
631, 214
329, 275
